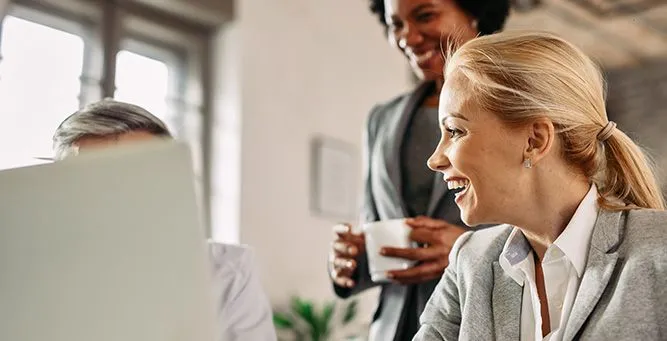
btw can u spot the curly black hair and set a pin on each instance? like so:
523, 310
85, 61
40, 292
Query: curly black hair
490, 14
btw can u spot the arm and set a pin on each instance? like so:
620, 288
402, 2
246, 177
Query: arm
369, 213
441, 319
244, 311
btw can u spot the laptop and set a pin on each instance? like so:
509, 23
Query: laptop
105, 246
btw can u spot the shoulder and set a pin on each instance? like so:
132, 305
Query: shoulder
236, 260
479, 247
649, 219
382, 110
646, 233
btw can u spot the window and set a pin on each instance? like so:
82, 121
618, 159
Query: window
39, 87
53, 64
57, 56
143, 81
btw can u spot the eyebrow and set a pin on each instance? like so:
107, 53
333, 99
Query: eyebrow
420, 7
415, 11
455, 115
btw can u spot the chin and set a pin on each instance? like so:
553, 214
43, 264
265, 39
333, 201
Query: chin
471, 219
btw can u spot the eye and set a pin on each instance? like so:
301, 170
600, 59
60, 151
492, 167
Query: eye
424, 17
453, 132
395, 26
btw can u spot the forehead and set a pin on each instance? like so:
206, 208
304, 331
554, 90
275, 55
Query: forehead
394, 6
456, 96
100, 141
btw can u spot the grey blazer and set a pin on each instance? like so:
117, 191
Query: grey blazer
622, 295
383, 200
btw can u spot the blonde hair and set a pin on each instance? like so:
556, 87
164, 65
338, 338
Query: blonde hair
523, 76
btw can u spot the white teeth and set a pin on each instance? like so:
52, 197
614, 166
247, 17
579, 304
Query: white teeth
455, 184
424, 57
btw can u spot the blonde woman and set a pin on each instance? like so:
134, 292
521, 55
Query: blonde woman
582, 250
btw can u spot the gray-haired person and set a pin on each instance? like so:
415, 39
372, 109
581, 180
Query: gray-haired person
243, 309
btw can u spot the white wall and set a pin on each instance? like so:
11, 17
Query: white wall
303, 68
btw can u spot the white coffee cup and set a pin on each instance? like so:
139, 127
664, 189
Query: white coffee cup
391, 233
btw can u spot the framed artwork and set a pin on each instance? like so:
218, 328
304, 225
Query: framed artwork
334, 178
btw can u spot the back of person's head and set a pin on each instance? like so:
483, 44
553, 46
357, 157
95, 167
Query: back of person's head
106, 118
489, 14
524, 76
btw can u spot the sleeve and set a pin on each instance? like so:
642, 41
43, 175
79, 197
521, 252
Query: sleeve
369, 213
246, 311
441, 319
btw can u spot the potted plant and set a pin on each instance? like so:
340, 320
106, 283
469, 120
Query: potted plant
304, 322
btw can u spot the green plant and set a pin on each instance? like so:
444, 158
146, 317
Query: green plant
306, 323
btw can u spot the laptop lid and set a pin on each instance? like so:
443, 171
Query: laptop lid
104, 246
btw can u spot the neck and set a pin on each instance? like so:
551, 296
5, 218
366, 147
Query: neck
551, 205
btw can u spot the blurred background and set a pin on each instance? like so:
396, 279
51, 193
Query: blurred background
263, 90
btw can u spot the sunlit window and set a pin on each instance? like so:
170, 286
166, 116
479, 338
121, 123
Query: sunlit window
39, 87
142, 81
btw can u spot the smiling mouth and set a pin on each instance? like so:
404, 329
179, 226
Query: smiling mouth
422, 58
458, 186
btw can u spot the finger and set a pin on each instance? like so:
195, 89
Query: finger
344, 232
418, 254
419, 273
427, 222
418, 280
344, 263
344, 282
354, 238
342, 273
344, 248
342, 228
424, 235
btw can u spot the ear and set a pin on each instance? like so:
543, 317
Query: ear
541, 136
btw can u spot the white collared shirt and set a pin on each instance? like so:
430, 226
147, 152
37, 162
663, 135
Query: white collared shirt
244, 311
563, 265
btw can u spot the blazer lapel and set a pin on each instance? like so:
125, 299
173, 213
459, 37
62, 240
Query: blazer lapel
602, 259
397, 134
506, 304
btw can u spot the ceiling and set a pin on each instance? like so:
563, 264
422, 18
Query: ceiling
617, 33
206, 12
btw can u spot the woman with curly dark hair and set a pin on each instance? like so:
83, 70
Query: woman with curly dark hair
401, 135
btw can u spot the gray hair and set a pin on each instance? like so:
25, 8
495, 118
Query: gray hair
104, 118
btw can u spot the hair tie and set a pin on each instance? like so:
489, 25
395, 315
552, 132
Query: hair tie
606, 132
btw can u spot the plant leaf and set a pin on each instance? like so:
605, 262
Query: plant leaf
304, 310
350, 312
325, 319
283, 321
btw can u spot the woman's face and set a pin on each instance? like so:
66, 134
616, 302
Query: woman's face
421, 29
479, 156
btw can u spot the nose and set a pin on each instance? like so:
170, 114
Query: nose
439, 162
409, 36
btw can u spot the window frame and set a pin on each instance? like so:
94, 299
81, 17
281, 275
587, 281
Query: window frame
108, 27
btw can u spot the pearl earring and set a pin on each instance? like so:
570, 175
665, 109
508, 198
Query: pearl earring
474, 23
527, 163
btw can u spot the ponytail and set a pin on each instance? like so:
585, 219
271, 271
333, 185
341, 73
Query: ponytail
629, 176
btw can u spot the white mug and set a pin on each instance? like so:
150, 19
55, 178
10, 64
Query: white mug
391, 233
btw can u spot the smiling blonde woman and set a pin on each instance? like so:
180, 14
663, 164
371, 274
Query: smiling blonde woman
526, 143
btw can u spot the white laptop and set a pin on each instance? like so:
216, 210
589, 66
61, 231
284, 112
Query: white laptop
105, 246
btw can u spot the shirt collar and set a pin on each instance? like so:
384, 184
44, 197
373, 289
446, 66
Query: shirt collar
515, 251
574, 241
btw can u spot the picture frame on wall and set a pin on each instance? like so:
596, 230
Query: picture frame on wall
334, 178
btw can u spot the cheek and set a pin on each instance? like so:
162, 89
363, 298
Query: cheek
488, 163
